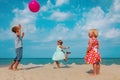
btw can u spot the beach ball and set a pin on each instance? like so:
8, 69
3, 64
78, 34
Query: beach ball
34, 6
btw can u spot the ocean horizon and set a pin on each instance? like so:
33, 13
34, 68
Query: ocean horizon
37, 61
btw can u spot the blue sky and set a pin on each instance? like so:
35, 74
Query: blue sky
68, 20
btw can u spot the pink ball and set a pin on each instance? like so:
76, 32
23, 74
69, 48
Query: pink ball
34, 6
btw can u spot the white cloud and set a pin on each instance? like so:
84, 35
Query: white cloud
97, 18
60, 16
53, 12
116, 6
26, 18
61, 2
5, 34
64, 33
113, 33
59, 32
46, 7
115, 12
49, 6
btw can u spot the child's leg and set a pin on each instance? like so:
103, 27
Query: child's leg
12, 64
57, 63
18, 57
94, 69
98, 68
66, 56
16, 65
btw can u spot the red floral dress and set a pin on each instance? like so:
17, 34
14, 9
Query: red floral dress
93, 55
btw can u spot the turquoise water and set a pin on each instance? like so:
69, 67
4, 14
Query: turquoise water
105, 61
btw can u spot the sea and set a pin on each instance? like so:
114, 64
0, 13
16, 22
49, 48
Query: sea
37, 61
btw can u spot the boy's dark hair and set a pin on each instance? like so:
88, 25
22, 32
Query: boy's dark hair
14, 29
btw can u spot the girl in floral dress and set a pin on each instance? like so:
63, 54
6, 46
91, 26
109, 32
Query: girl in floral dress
92, 54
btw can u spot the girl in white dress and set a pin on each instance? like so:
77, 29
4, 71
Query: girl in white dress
59, 53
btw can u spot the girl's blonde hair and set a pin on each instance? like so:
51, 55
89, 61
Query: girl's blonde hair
93, 32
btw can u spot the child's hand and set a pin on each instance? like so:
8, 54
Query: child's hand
19, 26
23, 34
68, 47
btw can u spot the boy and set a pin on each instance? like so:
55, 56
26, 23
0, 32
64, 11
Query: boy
18, 46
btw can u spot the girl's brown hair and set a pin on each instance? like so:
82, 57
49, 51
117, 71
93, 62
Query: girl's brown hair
60, 41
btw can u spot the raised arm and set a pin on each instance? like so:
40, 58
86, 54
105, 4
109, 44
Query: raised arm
19, 31
64, 47
23, 34
19, 26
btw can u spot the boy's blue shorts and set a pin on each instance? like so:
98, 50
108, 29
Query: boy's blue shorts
19, 52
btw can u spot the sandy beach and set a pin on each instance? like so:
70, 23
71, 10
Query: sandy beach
67, 72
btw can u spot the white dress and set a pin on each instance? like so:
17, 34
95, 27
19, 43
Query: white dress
59, 54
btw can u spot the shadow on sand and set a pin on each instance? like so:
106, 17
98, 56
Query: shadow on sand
66, 66
28, 68
90, 71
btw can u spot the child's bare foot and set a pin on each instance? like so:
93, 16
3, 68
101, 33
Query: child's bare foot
98, 73
15, 69
93, 74
56, 67
10, 68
